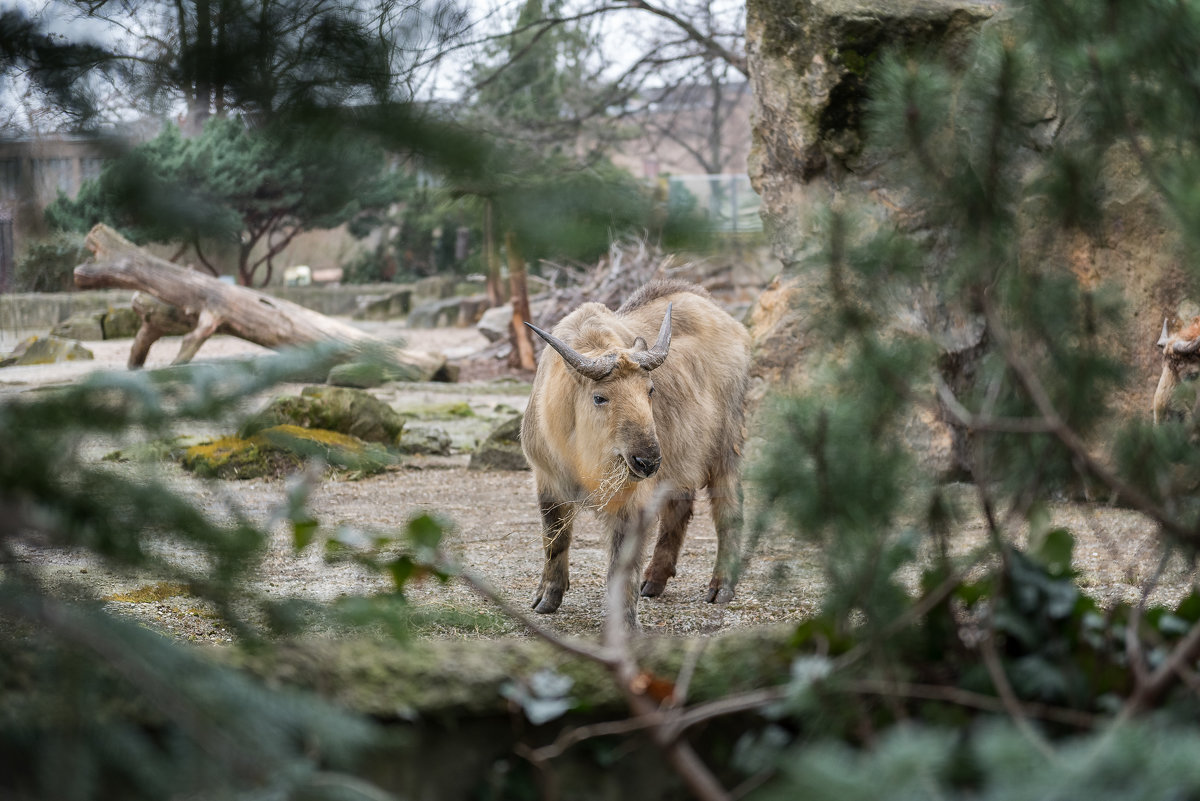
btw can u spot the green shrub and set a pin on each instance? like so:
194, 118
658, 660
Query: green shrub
48, 265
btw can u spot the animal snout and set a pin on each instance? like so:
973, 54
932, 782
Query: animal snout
645, 466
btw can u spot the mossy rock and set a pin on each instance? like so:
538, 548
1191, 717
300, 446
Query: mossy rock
120, 323
238, 458
456, 410
46, 350
342, 409
282, 449
502, 449
81, 325
342, 451
425, 440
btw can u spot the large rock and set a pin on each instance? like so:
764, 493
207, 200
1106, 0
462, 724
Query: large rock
502, 449
46, 350
340, 409
282, 449
810, 61
424, 440
82, 325
435, 314
120, 323
446, 312
809, 65
387, 306
495, 323
113, 323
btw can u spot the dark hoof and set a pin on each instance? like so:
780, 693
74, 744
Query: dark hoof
719, 595
653, 589
548, 602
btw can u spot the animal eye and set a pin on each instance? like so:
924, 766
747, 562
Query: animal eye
651, 390
599, 400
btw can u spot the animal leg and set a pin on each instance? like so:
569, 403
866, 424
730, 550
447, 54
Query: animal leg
726, 496
627, 532
557, 519
672, 527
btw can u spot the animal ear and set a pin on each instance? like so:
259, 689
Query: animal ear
639, 344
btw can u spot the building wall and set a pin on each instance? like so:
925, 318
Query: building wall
32, 174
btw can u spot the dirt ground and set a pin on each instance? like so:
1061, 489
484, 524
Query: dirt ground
495, 529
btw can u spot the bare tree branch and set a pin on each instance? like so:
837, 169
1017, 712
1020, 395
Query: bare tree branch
710, 44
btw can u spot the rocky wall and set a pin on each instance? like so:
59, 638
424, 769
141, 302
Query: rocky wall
810, 62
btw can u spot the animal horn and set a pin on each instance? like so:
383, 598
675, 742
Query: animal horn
1162, 338
594, 369
1187, 348
658, 354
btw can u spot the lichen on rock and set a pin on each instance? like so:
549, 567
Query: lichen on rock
502, 448
283, 449
342, 409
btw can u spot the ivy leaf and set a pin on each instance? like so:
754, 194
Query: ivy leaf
1054, 552
304, 531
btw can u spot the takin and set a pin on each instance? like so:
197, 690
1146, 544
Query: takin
633, 432
1181, 367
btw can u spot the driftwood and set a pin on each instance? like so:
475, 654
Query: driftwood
184, 300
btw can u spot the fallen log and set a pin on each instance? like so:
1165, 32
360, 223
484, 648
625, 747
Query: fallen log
205, 306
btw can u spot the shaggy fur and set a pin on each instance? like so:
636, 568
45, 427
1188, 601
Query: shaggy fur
588, 454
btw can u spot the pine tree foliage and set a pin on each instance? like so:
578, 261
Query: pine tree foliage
96, 706
236, 188
1013, 685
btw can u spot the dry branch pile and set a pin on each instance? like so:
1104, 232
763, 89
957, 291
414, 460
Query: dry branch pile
628, 265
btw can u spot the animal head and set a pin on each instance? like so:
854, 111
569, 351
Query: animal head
1175, 397
614, 403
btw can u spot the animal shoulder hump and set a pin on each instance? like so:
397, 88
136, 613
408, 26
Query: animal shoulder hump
661, 288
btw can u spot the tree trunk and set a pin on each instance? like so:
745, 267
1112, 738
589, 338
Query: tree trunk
495, 289
210, 306
522, 339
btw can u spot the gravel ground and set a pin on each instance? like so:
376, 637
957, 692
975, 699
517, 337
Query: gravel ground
495, 527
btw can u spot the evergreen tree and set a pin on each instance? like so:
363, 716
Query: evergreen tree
249, 190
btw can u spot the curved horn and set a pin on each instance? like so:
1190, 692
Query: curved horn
1186, 348
1162, 338
594, 369
658, 354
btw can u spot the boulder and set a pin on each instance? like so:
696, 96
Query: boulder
502, 448
810, 61
46, 350
121, 323
447, 312
282, 449
434, 314
82, 325
340, 409
387, 306
426, 440
495, 323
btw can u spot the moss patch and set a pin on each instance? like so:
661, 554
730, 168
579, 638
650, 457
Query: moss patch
282, 449
340, 409
152, 593
458, 410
